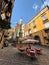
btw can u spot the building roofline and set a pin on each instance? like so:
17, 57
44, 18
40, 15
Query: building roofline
38, 13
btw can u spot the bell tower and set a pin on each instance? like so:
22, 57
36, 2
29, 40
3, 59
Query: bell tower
21, 27
20, 20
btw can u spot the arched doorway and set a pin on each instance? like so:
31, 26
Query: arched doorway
37, 38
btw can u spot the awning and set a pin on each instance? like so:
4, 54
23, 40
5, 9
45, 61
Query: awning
30, 41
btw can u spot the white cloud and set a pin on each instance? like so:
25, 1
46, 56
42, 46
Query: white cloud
35, 7
46, 2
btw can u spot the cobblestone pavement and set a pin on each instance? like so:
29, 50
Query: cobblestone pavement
10, 56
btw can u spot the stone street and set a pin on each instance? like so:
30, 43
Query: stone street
10, 56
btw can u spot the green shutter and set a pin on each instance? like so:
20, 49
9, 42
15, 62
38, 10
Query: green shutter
17, 32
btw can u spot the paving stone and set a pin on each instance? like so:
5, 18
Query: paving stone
10, 56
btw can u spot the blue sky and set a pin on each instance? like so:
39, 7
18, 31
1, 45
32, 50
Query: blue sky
26, 9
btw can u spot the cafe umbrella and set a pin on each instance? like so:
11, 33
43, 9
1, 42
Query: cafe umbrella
30, 41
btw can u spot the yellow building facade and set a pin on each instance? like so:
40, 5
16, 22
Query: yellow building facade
38, 27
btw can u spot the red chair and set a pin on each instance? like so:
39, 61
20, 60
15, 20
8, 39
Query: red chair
32, 53
37, 50
27, 51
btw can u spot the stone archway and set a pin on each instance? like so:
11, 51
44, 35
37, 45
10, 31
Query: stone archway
37, 38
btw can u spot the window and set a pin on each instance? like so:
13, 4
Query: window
3, 4
44, 17
7, 1
35, 30
46, 25
29, 31
34, 24
3, 16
